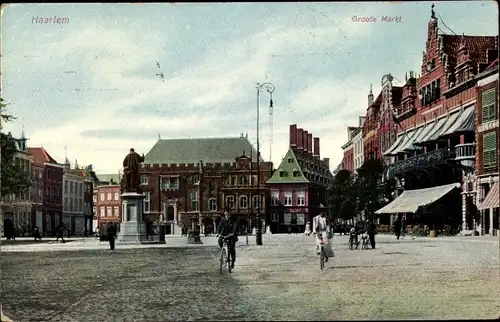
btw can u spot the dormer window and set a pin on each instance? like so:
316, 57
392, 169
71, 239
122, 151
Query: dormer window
295, 173
290, 160
282, 173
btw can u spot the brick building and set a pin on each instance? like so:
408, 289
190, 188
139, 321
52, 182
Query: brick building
17, 208
298, 186
188, 182
348, 148
50, 216
73, 197
371, 147
486, 158
439, 126
107, 203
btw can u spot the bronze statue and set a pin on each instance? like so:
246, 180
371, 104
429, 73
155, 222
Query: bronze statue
130, 181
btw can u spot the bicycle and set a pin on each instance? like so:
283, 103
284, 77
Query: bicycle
225, 256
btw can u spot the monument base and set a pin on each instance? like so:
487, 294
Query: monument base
132, 229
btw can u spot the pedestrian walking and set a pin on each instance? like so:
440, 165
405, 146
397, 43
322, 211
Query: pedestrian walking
111, 231
371, 233
60, 233
403, 226
397, 226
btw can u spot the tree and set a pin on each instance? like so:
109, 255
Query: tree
14, 179
373, 194
342, 196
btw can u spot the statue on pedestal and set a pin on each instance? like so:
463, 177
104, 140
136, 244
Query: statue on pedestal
131, 181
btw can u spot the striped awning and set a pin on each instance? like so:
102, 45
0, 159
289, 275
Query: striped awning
418, 135
396, 144
465, 122
411, 200
450, 122
492, 199
410, 137
438, 125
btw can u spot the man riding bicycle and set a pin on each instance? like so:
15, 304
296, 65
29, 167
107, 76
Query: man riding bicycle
227, 230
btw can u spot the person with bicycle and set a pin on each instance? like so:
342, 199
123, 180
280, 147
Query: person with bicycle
321, 230
227, 230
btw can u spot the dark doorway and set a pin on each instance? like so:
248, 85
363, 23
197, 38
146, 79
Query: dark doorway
170, 213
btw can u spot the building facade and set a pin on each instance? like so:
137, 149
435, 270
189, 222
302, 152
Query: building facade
16, 209
371, 146
89, 212
298, 187
437, 130
486, 158
107, 203
49, 219
348, 148
189, 182
73, 199
357, 142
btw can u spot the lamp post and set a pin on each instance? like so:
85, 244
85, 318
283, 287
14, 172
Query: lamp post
270, 89
251, 188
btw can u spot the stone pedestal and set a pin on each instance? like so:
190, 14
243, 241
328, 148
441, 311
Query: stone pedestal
132, 228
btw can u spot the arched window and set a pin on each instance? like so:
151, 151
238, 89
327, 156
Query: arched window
243, 202
212, 204
230, 202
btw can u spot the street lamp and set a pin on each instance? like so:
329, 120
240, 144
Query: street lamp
251, 188
270, 89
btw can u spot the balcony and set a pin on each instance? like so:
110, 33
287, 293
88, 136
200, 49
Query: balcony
466, 154
425, 160
403, 115
169, 186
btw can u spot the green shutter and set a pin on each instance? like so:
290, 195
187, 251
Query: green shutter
488, 104
489, 150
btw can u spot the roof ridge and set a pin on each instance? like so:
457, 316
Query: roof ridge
202, 138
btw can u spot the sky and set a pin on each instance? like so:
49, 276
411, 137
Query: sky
89, 83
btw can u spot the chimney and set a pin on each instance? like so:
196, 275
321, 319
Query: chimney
293, 135
316, 148
310, 143
300, 139
327, 162
306, 141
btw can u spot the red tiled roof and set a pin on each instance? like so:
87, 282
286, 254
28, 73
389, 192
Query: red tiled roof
477, 46
41, 156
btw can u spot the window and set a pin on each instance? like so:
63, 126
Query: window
116, 211
212, 204
243, 180
194, 200
488, 104
287, 218
301, 219
243, 202
255, 201
288, 198
275, 198
275, 216
109, 211
102, 196
234, 179
147, 202
94, 198
66, 187
144, 179
110, 196
301, 198
489, 150
230, 202
102, 212
290, 160
295, 173
117, 196
94, 211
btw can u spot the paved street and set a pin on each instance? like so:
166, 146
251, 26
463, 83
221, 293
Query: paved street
409, 279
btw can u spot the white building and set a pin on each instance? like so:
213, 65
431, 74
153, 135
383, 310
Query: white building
73, 196
357, 142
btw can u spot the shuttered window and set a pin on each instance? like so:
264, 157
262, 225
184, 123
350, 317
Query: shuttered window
489, 150
488, 103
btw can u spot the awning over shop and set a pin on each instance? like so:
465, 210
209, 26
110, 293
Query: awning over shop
465, 123
410, 135
411, 200
409, 144
403, 139
438, 125
421, 132
492, 199
397, 143
450, 122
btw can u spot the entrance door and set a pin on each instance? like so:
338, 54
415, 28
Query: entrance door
39, 221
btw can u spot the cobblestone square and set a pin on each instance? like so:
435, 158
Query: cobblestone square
406, 279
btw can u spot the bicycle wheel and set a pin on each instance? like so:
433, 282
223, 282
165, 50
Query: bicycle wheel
222, 259
229, 261
351, 244
322, 258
